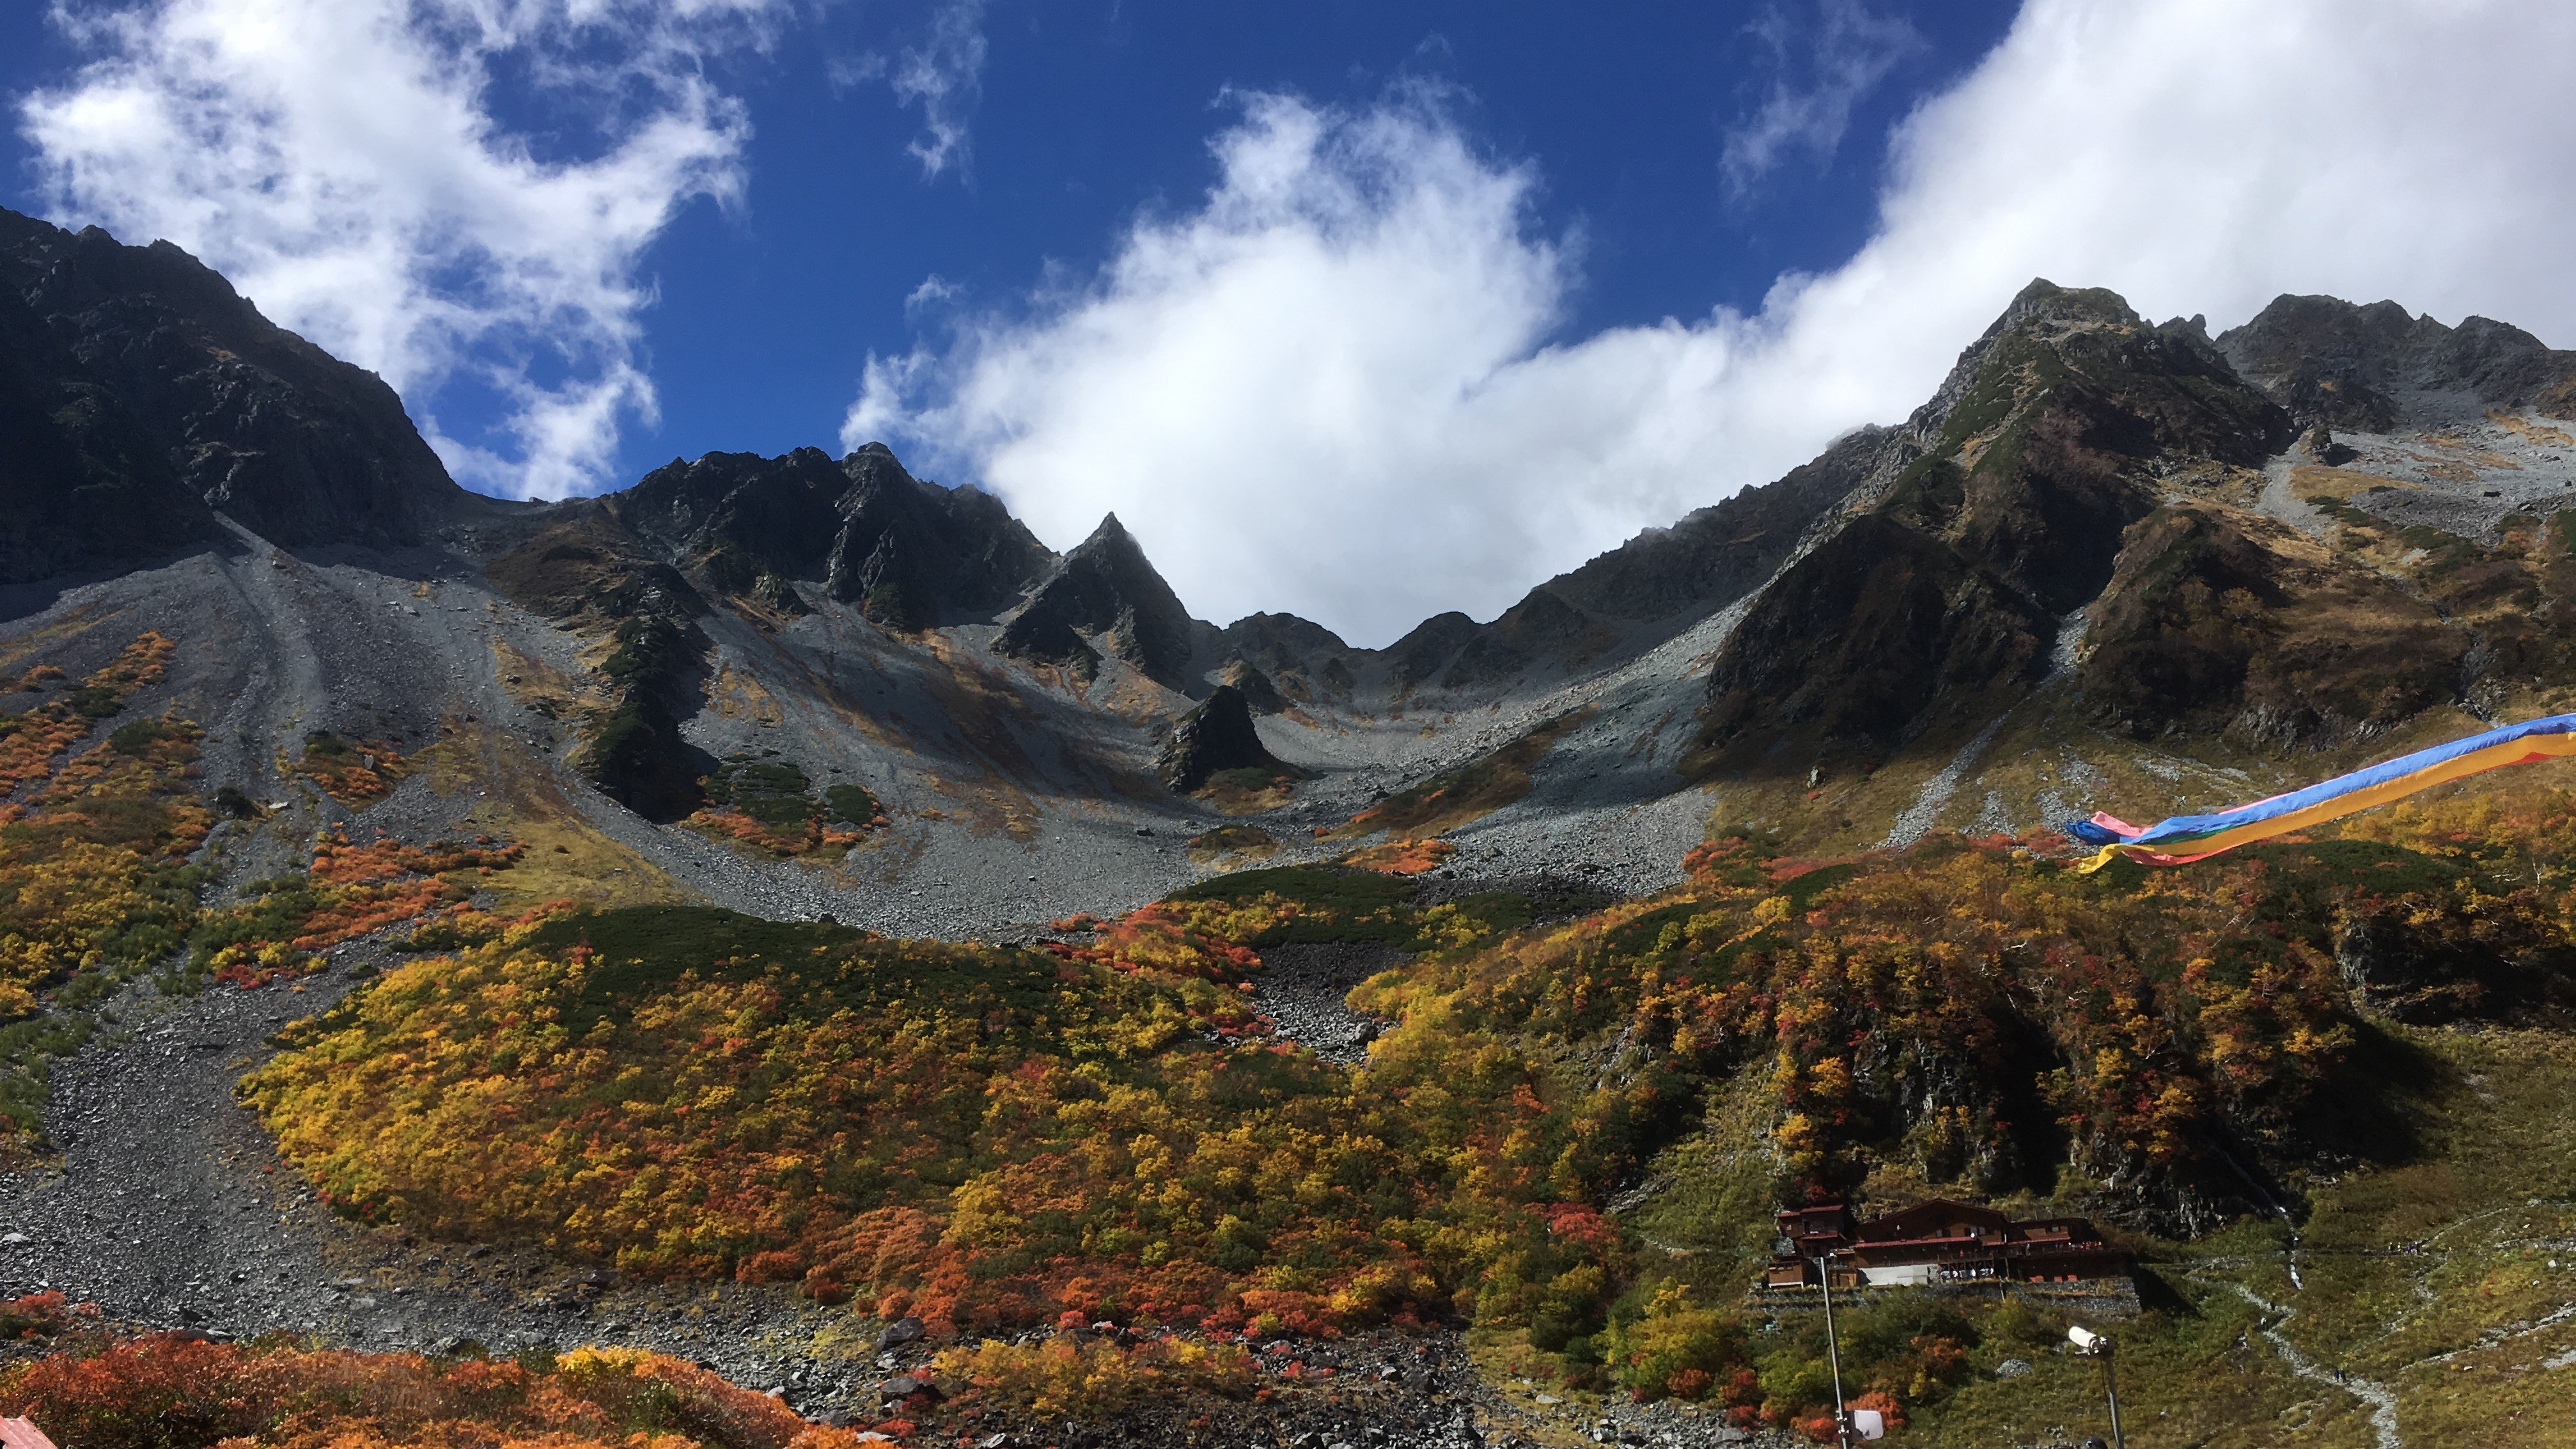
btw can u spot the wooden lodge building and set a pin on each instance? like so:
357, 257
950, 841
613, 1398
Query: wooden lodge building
1937, 1242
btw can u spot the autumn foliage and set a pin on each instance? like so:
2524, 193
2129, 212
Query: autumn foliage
31, 742
172, 1392
94, 841
981, 1138
88, 840
1071, 1373
42, 1315
995, 1139
357, 773
1402, 857
769, 806
96, 884
800, 837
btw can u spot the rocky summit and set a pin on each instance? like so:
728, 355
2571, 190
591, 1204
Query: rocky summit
781, 932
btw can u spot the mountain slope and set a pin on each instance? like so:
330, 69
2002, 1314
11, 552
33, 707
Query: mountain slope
2095, 545
2057, 431
139, 391
2109, 565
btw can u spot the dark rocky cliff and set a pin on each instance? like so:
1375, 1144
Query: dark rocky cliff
139, 393
1218, 735
2367, 368
2053, 435
910, 554
1107, 589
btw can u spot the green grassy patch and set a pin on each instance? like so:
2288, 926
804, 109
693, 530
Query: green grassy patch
1231, 844
641, 950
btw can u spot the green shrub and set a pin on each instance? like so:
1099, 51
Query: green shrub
852, 803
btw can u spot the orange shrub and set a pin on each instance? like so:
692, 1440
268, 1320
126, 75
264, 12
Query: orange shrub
349, 891
356, 773
167, 1391
1402, 857
803, 838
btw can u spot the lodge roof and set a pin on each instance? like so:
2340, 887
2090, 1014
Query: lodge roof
1936, 1218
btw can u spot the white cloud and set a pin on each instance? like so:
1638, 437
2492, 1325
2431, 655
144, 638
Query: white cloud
934, 291
1819, 72
1331, 388
944, 74
343, 162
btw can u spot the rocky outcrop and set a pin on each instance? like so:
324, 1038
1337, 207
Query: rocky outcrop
1541, 627
2217, 621
910, 554
2369, 368
1307, 662
1105, 593
1880, 634
139, 394
589, 574
1430, 646
1258, 692
2017, 487
1216, 736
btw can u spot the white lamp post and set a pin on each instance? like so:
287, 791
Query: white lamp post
1834, 1356
2096, 1345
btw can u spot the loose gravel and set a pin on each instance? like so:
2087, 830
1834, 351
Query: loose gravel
1301, 987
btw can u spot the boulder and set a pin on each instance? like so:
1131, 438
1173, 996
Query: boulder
1218, 735
1258, 692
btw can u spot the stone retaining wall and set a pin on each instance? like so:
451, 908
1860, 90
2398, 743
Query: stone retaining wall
2094, 1297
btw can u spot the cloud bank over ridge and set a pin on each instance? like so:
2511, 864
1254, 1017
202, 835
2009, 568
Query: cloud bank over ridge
1337, 386
341, 162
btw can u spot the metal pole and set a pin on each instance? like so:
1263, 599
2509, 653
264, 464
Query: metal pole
1834, 1357
2111, 1386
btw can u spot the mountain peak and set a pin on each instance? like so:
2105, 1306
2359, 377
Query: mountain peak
2043, 301
143, 392
1110, 533
2053, 435
2369, 368
908, 553
1108, 589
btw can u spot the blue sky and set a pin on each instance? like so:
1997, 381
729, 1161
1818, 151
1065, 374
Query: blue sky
1098, 112
1300, 290
1085, 113
1091, 113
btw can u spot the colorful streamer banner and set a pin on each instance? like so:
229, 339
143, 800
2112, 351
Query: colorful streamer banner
2185, 838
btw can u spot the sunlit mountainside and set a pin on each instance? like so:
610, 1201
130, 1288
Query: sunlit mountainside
777, 955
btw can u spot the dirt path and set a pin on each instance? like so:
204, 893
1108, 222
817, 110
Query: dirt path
2382, 1401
